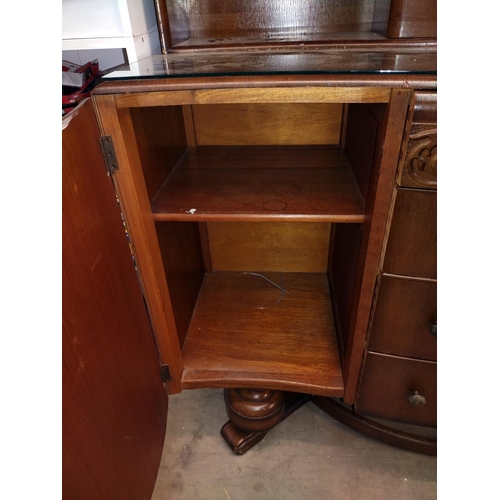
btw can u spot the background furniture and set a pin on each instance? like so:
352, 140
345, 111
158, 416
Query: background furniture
113, 31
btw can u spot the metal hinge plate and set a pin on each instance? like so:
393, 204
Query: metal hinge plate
108, 152
165, 373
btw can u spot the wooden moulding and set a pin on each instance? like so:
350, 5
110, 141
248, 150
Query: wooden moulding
257, 184
376, 430
254, 95
240, 336
379, 80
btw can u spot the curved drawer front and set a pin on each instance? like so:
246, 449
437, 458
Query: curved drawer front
412, 244
400, 389
405, 318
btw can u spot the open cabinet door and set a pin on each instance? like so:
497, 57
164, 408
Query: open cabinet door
114, 402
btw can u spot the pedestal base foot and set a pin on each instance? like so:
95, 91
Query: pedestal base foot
253, 413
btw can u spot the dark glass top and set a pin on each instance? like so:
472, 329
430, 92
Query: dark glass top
260, 62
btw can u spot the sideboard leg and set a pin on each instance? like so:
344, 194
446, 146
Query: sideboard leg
253, 412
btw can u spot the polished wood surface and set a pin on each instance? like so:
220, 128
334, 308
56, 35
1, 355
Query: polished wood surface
412, 18
269, 95
290, 40
212, 91
412, 243
387, 147
388, 383
264, 124
181, 251
132, 191
240, 441
382, 432
353, 80
405, 311
226, 18
241, 337
114, 405
301, 184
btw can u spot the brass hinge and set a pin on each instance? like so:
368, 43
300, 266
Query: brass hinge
108, 152
165, 373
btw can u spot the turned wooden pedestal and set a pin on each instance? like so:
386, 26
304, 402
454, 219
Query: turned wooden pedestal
254, 412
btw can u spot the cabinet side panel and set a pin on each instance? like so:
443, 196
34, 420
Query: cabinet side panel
343, 267
361, 136
383, 173
183, 263
267, 124
161, 140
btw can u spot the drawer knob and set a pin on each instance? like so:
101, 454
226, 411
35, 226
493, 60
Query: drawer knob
434, 329
417, 399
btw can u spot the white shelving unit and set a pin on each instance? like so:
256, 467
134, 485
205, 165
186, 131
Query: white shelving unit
110, 26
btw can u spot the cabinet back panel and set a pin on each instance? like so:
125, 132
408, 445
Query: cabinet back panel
227, 18
267, 124
269, 246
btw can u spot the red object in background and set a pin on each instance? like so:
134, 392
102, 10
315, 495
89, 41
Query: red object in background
78, 82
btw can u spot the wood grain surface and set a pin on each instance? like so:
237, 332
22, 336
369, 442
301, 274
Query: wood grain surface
255, 184
290, 345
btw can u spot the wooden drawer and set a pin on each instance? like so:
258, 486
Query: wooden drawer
412, 244
418, 166
387, 384
404, 314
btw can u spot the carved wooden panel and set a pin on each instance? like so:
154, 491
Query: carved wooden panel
419, 162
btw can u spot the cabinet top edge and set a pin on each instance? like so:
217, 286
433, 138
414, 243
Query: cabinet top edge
135, 85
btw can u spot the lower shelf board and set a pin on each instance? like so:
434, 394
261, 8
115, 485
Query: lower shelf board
263, 331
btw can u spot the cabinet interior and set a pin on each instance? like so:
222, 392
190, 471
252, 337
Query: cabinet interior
259, 211
221, 24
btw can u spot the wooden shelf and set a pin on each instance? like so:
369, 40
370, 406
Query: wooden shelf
367, 40
290, 345
259, 183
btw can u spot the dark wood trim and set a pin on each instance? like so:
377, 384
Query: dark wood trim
423, 82
163, 25
370, 428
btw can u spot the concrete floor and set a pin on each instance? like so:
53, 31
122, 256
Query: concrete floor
309, 456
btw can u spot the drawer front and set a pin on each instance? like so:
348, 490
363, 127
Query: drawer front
405, 318
418, 167
412, 244
388, 388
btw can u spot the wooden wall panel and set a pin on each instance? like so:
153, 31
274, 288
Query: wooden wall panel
229, 18
267, 124
269, 246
